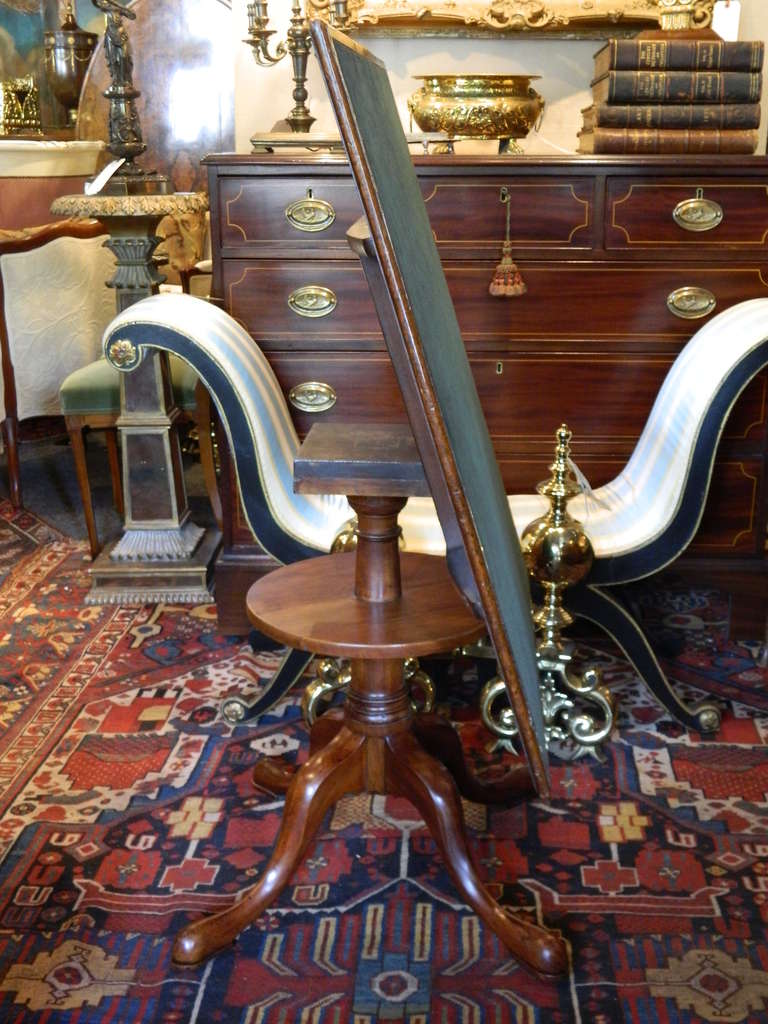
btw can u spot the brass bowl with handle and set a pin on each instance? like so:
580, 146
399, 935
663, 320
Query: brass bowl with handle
476, 106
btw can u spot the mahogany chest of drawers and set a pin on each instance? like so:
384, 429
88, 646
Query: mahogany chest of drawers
623, 259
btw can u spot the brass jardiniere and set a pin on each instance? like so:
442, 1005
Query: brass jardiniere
477, 106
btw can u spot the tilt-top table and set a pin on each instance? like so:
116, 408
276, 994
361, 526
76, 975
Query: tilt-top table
377, 607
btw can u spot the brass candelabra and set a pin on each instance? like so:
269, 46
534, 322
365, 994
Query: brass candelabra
296, 45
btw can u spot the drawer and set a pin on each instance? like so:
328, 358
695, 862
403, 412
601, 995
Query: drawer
302, 212
471, 214
597, 302
295, 302
514, 393
691, 213
747, 426
313, 211
289, 303
731, 524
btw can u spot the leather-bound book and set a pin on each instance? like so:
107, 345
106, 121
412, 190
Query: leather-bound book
678, 54
655, 140
672, 115
677, 87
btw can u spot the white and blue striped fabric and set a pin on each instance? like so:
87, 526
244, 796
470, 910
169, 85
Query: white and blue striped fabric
629, 514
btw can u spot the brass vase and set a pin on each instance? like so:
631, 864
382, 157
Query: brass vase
476, 106
68, 51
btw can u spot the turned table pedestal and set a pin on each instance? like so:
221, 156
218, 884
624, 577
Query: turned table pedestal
377, 607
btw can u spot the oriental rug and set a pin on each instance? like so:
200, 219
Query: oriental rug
127, 809
20, 533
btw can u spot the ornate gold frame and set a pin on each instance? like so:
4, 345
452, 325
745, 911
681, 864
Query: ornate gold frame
479, 17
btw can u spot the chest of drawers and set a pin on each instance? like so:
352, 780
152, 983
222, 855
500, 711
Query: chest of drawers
623, 259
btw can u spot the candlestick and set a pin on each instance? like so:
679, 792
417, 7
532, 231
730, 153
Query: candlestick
296, 45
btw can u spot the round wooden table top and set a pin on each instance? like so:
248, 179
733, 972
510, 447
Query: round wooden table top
311, 605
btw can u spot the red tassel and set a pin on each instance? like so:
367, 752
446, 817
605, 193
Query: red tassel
507, 280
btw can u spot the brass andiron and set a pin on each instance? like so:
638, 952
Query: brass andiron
296, 46
333, 675
68, 52
19, 106
558, 553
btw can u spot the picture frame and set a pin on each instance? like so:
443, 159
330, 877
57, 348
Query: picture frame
587, 18
484, 17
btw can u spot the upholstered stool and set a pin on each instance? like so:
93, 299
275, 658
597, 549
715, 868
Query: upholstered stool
90, 398
638, 523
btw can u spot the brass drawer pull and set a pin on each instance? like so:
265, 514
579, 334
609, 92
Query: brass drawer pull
312, 300
312, 396
310, 214
691, 303
697, 214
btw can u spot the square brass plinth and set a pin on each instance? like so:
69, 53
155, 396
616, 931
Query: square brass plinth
182, 581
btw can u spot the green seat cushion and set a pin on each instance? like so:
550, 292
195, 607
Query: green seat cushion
95, 388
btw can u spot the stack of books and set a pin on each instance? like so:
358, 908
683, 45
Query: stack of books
674, 96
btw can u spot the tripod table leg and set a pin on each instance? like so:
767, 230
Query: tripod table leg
413, 773
440, 739
333, 771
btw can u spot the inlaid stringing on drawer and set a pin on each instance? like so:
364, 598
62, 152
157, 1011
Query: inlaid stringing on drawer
695, 213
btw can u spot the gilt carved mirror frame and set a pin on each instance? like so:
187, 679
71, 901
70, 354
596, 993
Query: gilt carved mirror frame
482, 17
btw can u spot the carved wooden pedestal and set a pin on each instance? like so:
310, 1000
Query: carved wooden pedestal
375, 607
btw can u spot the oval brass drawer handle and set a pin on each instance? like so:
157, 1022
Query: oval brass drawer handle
312, 300
697, 214
310, 214
691, 303
312, 396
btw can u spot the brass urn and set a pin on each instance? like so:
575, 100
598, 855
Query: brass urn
476, 106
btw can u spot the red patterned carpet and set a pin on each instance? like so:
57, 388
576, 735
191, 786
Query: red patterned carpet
127, 810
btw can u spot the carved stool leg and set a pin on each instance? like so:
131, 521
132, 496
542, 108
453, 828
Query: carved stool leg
413, 773
328, 775
440, 739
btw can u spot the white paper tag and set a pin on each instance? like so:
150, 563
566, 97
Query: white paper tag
93, 187
725, 19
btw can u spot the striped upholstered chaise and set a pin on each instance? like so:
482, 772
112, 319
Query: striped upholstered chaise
639, 522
